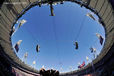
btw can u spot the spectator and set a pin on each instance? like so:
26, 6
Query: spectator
51, 72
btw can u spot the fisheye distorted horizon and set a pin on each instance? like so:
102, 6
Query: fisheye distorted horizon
56, 36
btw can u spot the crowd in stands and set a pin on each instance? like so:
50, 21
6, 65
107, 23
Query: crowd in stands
42, 72
50, 72
5, 67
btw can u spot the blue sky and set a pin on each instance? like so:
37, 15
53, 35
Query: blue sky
56, 36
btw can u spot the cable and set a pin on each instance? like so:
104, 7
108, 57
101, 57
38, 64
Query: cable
31, 36
54, 30
80, 29
33, 43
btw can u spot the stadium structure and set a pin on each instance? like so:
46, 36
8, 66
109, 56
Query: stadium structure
11, 65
